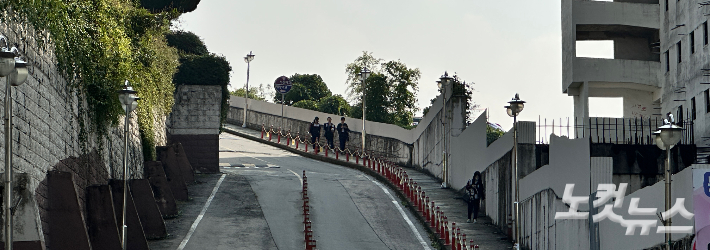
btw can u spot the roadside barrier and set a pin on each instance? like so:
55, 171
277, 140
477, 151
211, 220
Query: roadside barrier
310, 242
432, 215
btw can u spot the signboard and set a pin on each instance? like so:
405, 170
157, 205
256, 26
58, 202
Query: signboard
282, 84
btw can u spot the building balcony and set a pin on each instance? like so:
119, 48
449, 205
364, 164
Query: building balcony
641, 75
616, 13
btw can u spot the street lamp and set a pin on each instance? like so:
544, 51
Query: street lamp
248, 60
129, 102
363, 75
15, 70
667, 137
513, 109
443, 84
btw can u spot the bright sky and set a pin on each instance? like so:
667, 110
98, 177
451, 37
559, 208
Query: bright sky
505, 47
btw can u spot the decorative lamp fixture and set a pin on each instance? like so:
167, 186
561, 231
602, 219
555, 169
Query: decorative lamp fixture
670, 134
516, 106
19, 74
128, 98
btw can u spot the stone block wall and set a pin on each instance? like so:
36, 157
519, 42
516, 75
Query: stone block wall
194, 123
46, 129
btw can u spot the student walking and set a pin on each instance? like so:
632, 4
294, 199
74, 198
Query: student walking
328, 130
343, 133
476, 192
314, 129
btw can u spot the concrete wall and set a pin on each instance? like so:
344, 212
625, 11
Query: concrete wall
194, 122
46, 133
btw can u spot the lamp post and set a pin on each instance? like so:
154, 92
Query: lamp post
248, 60
515, 107
129, 102
666, 138
364, 74
443, 84
16, 72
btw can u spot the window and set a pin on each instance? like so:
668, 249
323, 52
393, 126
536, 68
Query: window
705, 33
679, 116
692, 42
707, 101
668, 62
680, 49
666, 5
692, 108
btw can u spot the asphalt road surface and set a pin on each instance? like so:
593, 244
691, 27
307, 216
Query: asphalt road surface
257, 205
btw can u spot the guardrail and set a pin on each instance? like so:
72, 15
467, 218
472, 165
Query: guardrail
433, 216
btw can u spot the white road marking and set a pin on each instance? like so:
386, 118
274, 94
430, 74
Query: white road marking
404, 215
299, 177
202, 214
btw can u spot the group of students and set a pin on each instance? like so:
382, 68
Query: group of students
329, 131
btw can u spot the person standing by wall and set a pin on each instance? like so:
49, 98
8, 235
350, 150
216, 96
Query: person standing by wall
476, 193
328, 130
343, 133
314, 129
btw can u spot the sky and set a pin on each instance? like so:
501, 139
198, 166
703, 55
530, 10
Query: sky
504, 47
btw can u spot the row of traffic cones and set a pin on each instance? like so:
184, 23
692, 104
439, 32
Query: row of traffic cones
432, 214
310, 242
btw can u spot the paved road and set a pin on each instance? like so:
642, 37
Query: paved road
349, 210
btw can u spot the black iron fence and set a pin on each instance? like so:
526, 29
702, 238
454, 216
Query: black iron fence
637, 131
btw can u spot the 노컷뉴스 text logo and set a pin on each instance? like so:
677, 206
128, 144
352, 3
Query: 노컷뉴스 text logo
605, 192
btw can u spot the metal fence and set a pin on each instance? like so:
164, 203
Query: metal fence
637, 131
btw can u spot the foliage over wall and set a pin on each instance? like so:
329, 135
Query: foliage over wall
98, 45
200, 68
183, 6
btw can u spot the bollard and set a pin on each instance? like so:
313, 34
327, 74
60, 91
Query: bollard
471, 246
432, 215
336, 154
326, 151
453, 235
270, 132
447, 237
428, 209
297, 140
357, 159
463, 242
279, 137
438, 218
262, 131
306, 144
458, 238
442, 229
347, 157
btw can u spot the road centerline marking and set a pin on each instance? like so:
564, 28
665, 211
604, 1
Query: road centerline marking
202, 214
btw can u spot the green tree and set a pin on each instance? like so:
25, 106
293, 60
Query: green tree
492, 134
306, 104
186, 43
390, 90
256, 92
334, 104
305, 87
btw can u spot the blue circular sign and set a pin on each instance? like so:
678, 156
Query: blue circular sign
282, 84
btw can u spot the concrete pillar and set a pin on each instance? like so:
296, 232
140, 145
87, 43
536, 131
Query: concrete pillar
161, 189
101, 218
581, 107
26, 233
148, 211
135, 237
67, 228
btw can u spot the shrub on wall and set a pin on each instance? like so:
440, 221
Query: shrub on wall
98, 45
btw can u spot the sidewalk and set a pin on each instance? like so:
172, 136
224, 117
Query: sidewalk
483, 233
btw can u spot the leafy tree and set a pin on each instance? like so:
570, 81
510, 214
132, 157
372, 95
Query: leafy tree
256, 92
305, 87
306, 104
492, 134
186, 42
182, 6
390, 90
334, 104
